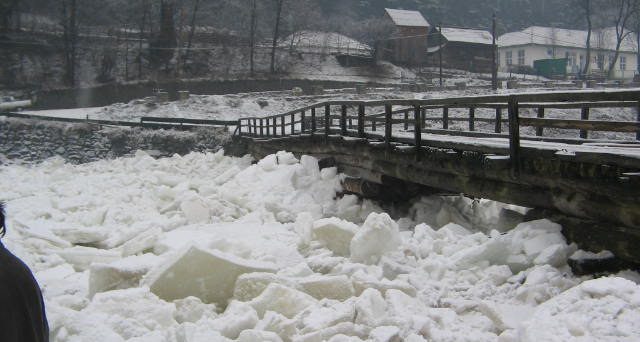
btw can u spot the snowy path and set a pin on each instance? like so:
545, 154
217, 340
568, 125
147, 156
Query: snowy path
267, 253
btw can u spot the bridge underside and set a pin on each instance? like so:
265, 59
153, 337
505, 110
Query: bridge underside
587, 190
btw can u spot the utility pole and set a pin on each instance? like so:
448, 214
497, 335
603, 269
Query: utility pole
440, 51
494, 64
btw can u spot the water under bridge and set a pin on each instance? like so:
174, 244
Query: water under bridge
499, 149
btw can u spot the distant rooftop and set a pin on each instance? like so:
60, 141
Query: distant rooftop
466, 35
407, 18
549, 36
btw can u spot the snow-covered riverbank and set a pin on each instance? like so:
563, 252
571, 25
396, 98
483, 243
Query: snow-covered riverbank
208, 248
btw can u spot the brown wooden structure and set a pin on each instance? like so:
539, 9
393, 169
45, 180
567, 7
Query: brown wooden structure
408, 43
462, 49
593, 180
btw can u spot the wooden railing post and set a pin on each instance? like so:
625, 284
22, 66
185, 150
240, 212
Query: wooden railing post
255, 126
584, 134
388, 126
540, 130
302, 124
424, 117
327, 120
638, 119
498, 128
261, 128
275, 126
313, 120
445, 117
361, 121
282, 126
472, 119
417, 128
293, 123
514, 136
267, 126
406, 120
343, 120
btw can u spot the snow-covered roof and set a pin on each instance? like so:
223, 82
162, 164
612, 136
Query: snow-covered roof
407, 18
465, 35
538, 35
329, 42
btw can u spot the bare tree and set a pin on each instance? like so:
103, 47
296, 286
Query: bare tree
276, 33
624, 11
7, 8
70, 37
587, 7
252, 38
192, 31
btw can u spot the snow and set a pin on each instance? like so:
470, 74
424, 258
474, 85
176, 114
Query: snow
205, 247
455, 34
407, 18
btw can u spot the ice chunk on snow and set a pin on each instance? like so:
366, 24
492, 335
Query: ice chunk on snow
238, 317
121, 274
208, 275
378, 235
82, 257
331, 313
370, 308
192, 309
251, 285
335, 234
596, 310
331, 287
268, 163
286, 158
281, 299
252, 335
79, 234
385, 334
196, 210
277, 323
137, 305
141, 242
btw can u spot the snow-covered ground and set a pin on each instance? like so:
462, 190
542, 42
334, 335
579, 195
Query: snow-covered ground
212, 248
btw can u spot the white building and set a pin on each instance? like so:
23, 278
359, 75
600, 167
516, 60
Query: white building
536, 43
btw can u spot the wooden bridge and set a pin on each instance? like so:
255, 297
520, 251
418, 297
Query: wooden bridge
390, 142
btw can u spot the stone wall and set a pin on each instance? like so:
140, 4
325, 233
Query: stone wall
33, 141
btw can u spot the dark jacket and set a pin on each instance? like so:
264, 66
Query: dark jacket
22, 314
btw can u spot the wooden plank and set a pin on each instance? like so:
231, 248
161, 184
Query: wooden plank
313, 120
361, 114
343, 119
588, 125
472, 116
514, 136
388, 127
445, 117
540, 114
417, 128
584, 115
327, 120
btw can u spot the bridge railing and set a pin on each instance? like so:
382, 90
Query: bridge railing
396, 118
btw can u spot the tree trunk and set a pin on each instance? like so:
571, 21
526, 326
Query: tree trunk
191, 33
252, 38
143, 24
587, 64
276, 32
69, 11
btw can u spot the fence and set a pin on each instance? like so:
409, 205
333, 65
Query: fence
321, 119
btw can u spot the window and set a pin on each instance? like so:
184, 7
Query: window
509, 57
549, 52
498, 58
571, 58
623, 62
581, 61
520, 57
